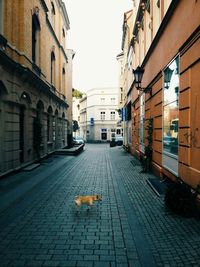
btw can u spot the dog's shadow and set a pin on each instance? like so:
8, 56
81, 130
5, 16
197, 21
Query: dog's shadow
84, 213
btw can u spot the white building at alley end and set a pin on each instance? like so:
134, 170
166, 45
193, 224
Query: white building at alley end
99, 118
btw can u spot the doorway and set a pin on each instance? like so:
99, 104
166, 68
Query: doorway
21, 134
104, 134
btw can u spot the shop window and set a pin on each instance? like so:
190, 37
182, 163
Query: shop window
142, 120
171, 116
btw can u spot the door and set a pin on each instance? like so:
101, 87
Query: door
21, 134
104, 134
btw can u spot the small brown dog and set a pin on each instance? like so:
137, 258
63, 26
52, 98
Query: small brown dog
86, 200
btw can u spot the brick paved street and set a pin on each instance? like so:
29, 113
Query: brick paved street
130, 227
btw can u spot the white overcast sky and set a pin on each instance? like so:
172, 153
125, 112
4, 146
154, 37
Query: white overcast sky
95, 35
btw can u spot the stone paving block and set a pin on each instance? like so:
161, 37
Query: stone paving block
91, 257
85, 252
102, 264
101, 252
67, 263
42, 257
17, 262
85, 264
107, 258
32, 263
91, 246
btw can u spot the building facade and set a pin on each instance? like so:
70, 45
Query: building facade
35, 81
99, 115
83, 117
125, 79
166, 44
76, 114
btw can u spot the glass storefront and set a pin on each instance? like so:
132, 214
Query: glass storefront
142, 120
171, 116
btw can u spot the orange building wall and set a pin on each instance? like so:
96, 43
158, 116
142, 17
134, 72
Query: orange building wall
189, 149
177, 39
175, 34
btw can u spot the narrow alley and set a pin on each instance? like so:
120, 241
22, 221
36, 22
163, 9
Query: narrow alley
130, 227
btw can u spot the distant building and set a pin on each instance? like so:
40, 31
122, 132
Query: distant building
76, 113
99, 114
35, 81
83, 117
125, 79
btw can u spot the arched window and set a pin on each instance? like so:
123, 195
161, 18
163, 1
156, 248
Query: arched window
63, 33
53, 59
63, 80
63, 37
35, 38
53, 13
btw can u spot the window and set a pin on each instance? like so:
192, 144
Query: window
118, 131
35, 38
112, 115
112, 100
63, 37
171, 116
142, 120
121, 95
102, 100
63, 33
53, 13
63, 80
103, 115
53, 68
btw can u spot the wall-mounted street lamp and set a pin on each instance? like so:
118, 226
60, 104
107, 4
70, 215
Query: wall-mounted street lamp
167, 77
138, 74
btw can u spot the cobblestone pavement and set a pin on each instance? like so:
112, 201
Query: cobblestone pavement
129, 228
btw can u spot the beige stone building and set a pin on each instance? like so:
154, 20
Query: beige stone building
125, 78
83, 117
35, 81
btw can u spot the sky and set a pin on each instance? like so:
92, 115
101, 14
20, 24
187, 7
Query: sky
95, 35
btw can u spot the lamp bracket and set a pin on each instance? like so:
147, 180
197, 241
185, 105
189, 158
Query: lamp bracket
145, 90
